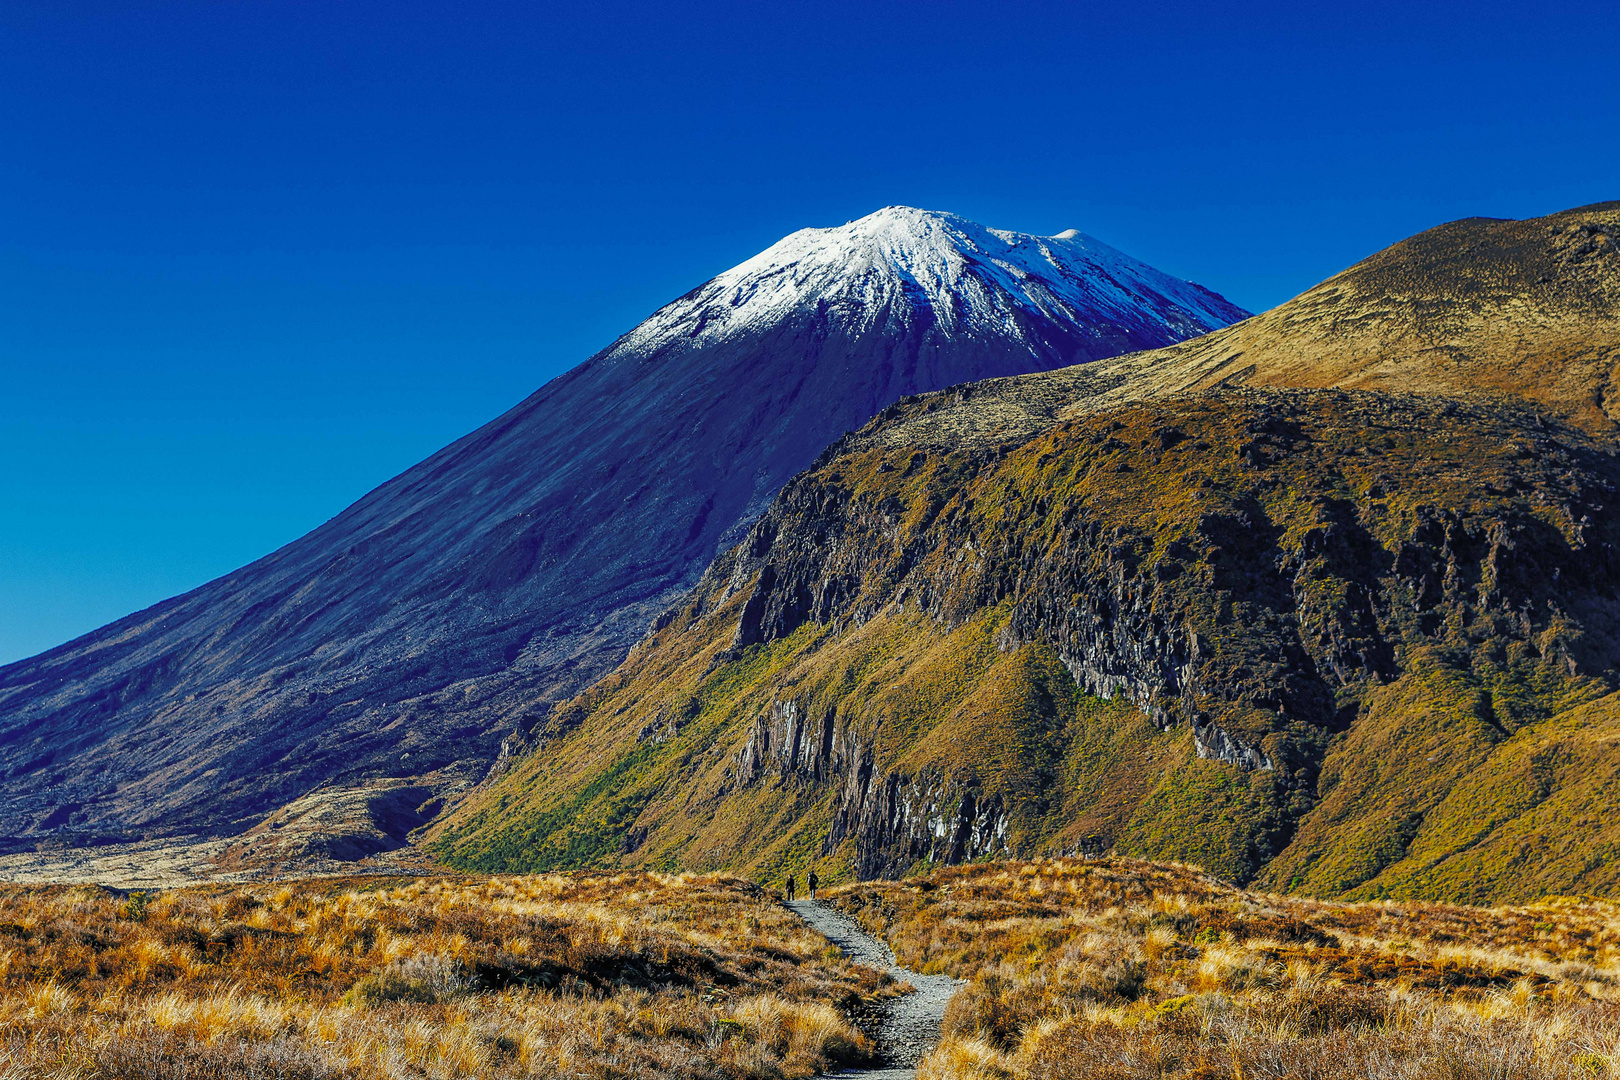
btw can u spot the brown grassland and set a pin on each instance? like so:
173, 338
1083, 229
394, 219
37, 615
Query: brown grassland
588, 975
1114, 969
1108, 969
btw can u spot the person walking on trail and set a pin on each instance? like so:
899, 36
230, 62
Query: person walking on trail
810, 884
790, 887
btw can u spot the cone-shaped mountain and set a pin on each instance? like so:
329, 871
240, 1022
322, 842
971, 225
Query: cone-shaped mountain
399, 643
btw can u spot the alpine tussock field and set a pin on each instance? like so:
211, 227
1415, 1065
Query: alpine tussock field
1103, 968
630, 975
1114, 969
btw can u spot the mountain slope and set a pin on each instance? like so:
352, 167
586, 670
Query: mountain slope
1524, 309
1344, 642
359, 673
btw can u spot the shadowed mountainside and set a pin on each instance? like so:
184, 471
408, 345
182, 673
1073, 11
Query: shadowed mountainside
336, 690
1346, 642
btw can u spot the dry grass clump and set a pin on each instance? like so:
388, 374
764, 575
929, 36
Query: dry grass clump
1117, 970
626, 975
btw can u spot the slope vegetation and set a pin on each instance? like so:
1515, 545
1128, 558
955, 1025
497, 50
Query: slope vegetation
1351, 643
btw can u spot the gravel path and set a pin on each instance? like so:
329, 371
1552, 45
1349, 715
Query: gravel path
910, 1025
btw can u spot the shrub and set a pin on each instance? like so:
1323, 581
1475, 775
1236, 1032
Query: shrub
134, 906
427, 980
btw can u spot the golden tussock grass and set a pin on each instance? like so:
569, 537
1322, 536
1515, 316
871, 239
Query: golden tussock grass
626, 975
1113, 969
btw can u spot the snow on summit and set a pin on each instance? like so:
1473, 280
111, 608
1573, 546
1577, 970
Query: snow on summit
961, 278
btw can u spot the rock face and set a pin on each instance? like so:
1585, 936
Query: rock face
893, 821
1312, 637
395, 647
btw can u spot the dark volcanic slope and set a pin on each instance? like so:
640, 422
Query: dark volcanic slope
1347, 642
403, 639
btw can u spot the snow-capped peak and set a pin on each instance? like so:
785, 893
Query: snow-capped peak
967, 280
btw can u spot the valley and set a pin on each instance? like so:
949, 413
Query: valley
1242, 701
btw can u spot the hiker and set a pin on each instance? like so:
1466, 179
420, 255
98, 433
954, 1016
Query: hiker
790, 887
810, 884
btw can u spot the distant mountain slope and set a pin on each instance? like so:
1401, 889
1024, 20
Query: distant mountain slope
1527, 309
376, 663
1344, 642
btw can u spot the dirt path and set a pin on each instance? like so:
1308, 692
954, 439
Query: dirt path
910, 1027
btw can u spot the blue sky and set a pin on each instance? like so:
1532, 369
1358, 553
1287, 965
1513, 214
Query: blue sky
255, 258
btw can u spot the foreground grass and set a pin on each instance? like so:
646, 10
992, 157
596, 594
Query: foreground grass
628, 975
1114, 969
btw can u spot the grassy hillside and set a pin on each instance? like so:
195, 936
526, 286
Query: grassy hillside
1524, 310
1347, 644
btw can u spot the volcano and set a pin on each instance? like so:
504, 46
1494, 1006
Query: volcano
373, 667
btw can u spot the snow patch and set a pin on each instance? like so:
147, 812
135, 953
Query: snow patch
965, 279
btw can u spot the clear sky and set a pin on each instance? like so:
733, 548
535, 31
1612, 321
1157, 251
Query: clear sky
257, 257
